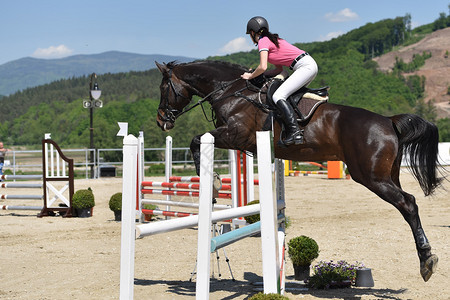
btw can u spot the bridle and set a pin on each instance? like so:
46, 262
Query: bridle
171, 114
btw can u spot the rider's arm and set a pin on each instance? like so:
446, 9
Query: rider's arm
263, 58
274, 72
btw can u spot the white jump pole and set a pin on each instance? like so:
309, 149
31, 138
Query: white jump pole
130, 144
147, 229
140, 175
269, 220
205, 210
168, 165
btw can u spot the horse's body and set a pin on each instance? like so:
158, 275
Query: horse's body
371, 145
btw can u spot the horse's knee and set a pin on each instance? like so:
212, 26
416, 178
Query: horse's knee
195, 144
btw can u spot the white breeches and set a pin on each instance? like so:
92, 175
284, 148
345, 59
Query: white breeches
305, 70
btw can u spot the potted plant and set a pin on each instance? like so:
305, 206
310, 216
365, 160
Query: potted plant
83, 202
115, 204
328, 274
148, 217
302, 250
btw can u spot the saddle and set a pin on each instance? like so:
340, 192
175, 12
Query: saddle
304, 101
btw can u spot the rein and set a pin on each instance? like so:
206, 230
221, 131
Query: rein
201, 101
173, 114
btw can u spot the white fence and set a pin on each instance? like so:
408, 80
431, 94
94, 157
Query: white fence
29, 161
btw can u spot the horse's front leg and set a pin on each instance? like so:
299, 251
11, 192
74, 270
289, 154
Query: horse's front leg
237, 139
195, 150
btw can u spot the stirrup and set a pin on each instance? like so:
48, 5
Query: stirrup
297, 139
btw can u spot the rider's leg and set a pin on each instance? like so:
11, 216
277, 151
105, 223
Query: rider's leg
293, 133
304, 72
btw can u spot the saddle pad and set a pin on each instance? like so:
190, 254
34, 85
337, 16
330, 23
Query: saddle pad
307, 106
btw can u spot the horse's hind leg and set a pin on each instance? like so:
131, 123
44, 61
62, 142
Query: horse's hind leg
406, 204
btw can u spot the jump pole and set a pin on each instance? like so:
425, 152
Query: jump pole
147, 229
129, 179
269, 221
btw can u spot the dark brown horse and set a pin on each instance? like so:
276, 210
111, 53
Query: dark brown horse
371, 145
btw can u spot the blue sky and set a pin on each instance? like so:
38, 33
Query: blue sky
55, 29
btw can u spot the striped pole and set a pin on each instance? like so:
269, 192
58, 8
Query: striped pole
181, 193
14, 185
178, 185
14, 177
22, 197
197, 179
181, 203
15, 207
166, 213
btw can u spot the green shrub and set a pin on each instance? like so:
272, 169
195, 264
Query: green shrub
303, 250
253, 218
115, 202
83, 199
272, 296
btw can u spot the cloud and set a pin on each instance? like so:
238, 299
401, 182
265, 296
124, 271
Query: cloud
330, 35
52, 52
342, 16
237, 45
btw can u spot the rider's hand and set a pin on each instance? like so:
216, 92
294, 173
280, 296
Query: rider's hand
246, 75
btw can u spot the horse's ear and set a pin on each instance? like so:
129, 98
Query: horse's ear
162, 68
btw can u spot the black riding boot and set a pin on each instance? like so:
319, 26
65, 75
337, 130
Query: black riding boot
293, 133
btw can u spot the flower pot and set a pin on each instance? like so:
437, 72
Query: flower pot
118, 215
84, 212
364, 278
301, 272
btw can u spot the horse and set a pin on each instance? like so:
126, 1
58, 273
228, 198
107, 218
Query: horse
371, 145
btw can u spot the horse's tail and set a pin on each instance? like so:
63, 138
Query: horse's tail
418, 141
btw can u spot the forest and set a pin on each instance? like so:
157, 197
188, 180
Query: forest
345, 65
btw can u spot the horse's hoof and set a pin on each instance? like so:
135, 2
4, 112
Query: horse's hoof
428, 267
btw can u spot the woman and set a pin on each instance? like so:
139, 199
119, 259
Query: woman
280, 53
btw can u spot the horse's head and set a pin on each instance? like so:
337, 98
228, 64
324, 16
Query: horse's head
175, 95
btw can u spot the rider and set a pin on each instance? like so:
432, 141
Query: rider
280, 53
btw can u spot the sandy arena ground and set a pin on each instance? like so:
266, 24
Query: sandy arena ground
56, 258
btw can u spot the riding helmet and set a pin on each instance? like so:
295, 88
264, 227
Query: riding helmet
256, 24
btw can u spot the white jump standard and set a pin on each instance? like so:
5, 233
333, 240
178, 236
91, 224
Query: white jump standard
272, 236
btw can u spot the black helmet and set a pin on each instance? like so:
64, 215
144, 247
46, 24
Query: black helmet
256, 24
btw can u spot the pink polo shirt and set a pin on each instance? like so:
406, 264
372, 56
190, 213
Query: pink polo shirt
284, 55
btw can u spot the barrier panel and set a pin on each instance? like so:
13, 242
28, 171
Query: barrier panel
56, 168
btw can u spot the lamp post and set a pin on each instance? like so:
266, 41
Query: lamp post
94, 95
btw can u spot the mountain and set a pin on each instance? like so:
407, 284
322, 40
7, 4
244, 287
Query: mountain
30, 72
436, 69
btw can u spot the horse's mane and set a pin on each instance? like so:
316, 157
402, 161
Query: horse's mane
216, 63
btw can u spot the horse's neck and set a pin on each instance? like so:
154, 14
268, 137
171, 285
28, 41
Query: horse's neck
207, 78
